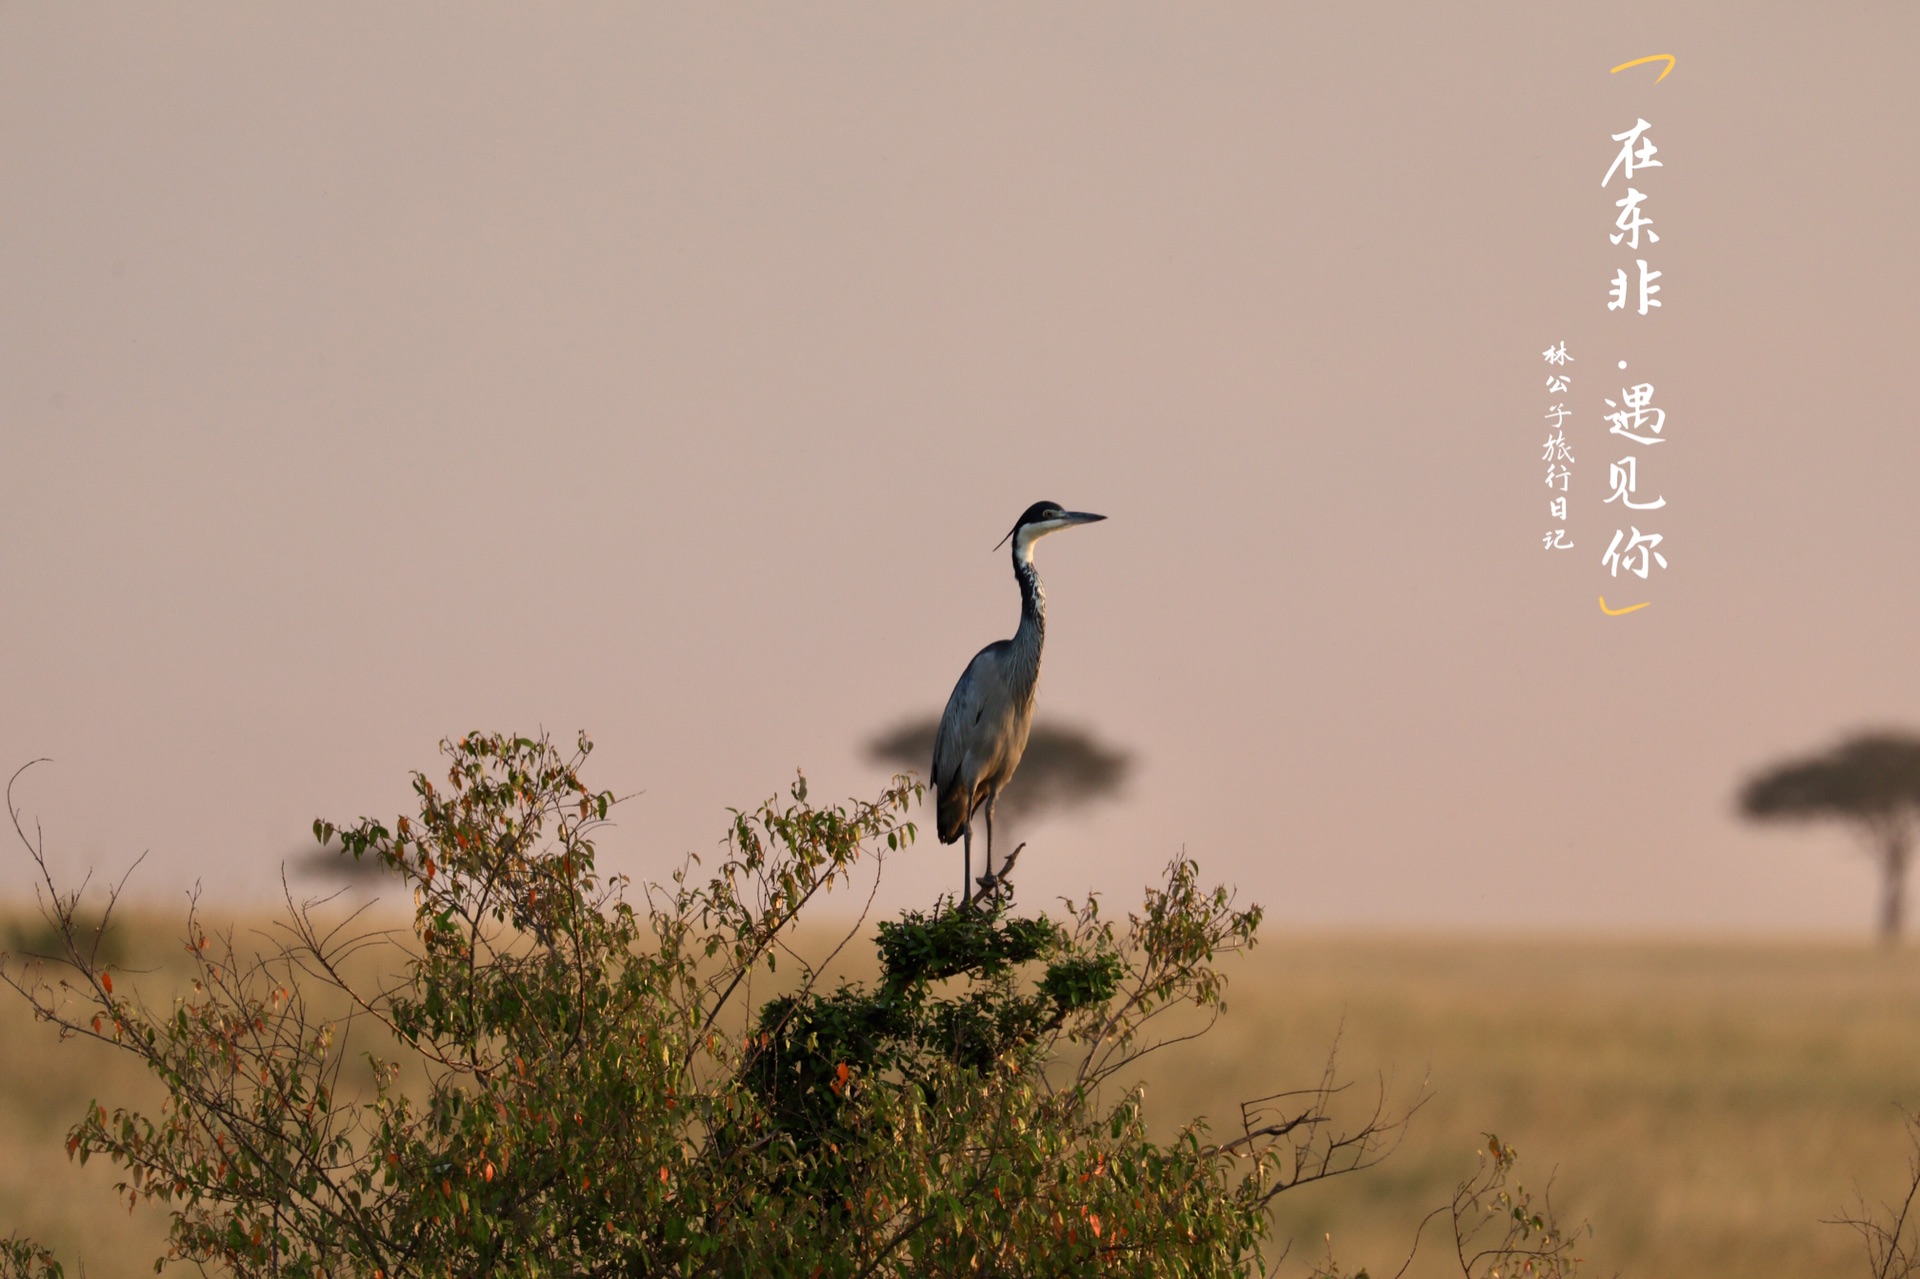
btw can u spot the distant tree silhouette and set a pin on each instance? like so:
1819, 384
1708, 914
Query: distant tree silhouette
331, 863
1871, 780
1063, 767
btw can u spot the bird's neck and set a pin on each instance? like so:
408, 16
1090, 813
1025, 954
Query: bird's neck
1033, 610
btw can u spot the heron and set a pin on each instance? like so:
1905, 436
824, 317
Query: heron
983, 731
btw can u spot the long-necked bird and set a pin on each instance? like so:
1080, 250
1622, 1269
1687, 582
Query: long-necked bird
984, 730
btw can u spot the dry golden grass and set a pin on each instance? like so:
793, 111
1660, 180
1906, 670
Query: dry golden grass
46, 1085
1704, 1105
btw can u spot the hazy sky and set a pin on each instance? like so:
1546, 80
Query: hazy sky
373, 373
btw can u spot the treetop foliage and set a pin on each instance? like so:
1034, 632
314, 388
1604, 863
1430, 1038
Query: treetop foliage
560, 1073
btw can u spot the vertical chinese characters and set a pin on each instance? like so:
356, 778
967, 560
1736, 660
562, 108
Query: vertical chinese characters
1557, 452
1634, 417
1636, 153
1633, 426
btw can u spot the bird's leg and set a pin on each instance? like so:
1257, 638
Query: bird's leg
966, 884
989, 874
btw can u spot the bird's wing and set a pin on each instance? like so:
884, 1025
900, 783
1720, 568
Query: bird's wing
947, 743
958, 746
965, 708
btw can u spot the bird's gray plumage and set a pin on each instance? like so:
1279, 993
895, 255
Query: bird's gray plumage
984, 730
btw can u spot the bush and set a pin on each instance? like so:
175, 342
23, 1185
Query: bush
571, 1078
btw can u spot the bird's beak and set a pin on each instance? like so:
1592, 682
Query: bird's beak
1067, 520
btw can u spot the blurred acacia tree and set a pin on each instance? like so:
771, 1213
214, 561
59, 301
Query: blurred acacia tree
1871, 781
1063, 767
568, 1081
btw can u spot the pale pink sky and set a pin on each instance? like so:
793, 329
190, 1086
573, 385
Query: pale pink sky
374, 373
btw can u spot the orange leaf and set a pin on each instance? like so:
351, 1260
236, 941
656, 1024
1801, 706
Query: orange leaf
106, 980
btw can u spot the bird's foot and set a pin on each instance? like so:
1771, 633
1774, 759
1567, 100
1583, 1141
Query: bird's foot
995, 888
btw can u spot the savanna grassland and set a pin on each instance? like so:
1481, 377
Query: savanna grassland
1703, 1105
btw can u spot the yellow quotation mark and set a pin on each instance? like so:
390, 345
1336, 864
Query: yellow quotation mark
1652, 57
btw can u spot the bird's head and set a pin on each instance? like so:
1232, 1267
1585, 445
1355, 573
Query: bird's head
1041, 519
